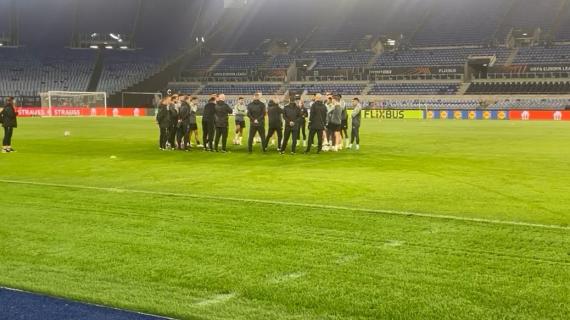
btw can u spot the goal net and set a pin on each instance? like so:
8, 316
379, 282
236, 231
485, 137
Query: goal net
66, 103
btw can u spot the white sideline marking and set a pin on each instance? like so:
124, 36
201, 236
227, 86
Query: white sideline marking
88, 304
219, 298
294, 204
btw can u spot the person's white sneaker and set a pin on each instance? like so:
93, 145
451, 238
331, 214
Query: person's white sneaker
357, 147
350, 145
304, 143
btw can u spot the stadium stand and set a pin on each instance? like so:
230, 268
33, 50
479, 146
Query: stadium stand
240, 62
526, 104
563, 32
561, 87
457, 23
242, 89
541, 55
414, 89
439, 57
185, 88
530, 14
27, 72
341, 88
126, 68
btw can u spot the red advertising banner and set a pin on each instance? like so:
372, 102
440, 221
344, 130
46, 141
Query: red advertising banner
79, 112
527, 115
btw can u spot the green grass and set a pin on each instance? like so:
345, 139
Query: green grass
198, 257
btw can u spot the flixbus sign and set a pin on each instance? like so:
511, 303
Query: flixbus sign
393, 114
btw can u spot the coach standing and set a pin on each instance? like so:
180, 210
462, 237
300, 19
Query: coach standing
223, 110
208, 124
292, 115
256, 115
8, 117
317, 123
183, 133
274, 115
173, 108
163, 121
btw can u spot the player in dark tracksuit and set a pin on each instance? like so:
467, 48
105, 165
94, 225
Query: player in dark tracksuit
274, 113
317, 123
292, 116
183, 132
173, 110
256, 115
223, 110
208, 124
303, 122
163, 121
9, 120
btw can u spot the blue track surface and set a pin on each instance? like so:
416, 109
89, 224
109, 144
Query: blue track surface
18, 305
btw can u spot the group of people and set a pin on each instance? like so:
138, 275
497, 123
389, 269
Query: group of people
327, 118
8, 119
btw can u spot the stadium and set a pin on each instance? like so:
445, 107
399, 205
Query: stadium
271, 159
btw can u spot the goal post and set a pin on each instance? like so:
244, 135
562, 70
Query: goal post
74, 103
149, 100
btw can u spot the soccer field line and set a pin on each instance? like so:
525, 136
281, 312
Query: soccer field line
289, 204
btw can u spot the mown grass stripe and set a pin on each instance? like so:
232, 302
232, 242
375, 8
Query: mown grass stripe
285, 203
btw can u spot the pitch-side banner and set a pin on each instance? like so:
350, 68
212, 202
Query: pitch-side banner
79, 112
527, 115
467, 114
393, 114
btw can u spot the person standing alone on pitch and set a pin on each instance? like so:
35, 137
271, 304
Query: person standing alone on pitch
292, 116
274, 114
221, 118
9, 119
256, 115
240, 112
208, 124
317, 123
163, 121
356, 118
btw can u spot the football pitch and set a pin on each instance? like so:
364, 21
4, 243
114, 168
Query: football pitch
429, 220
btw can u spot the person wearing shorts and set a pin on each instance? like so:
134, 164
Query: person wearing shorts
240, 112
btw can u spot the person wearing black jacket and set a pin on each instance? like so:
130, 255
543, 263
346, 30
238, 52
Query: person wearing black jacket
317, 123
303, 122
256, 115
223, 110
208, 124
173, 110
292, 115
274, 114
163, 120
183, 130
9, 119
